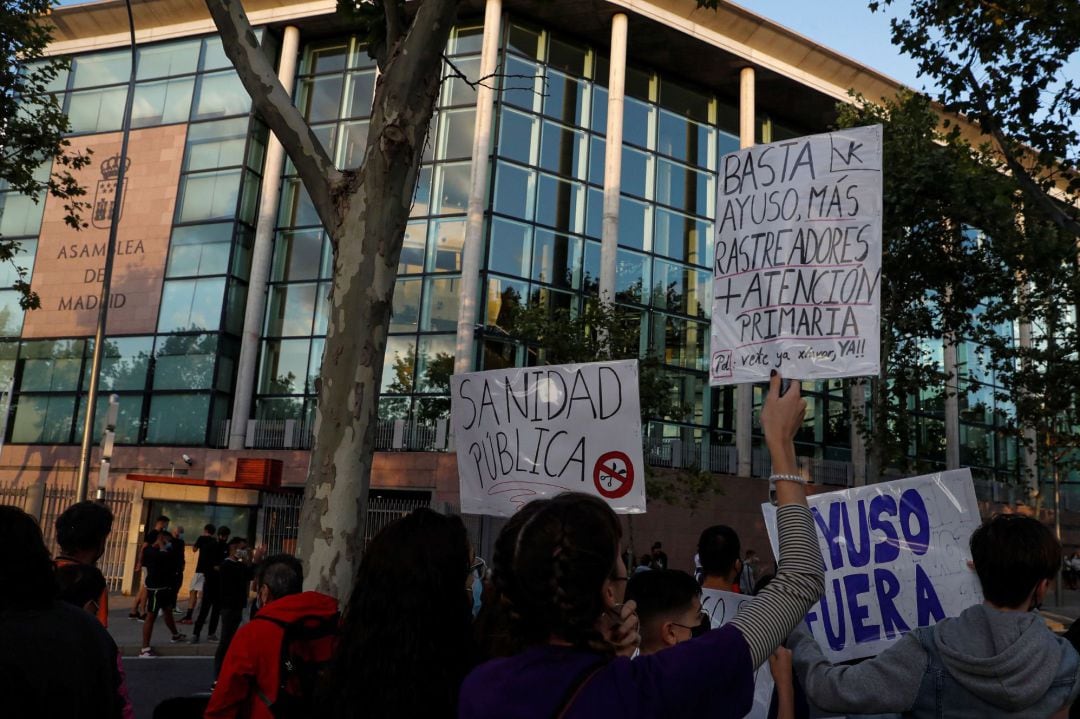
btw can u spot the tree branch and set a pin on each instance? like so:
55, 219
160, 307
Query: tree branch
274, 105
1027, 183
457, 72
394, 24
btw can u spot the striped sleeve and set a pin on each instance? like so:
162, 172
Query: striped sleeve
768, 618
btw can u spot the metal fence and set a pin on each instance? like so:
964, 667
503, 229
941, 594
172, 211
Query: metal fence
384, 510
56, 500
672, 453
390, 435
13, 496
280, 522
279, 525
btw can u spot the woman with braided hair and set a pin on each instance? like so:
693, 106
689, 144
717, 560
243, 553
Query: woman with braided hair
567, 585
497, 632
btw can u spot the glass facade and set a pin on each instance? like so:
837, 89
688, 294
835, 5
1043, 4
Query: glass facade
335, 89
175, 385
541, 246
547, 205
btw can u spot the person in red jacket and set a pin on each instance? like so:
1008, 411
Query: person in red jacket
251, 673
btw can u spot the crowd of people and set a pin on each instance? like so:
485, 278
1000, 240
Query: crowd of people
566, 628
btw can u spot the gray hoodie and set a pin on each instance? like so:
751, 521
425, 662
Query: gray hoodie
985, 662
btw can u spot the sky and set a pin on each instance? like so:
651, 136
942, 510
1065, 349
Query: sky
848, 27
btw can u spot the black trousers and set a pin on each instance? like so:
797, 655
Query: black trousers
209, 604
230, 622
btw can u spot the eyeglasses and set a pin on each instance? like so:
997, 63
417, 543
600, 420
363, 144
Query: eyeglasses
477, 567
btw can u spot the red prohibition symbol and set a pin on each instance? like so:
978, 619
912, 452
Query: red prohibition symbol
613, 475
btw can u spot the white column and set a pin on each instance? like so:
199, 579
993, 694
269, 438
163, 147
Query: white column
952, 404
609, 242
261, 255
472, 254
744, 393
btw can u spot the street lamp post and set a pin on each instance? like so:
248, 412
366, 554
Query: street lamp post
83, 483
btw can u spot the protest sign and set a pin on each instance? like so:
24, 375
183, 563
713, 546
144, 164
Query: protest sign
533, 432
722, 607
797, 261
896, 558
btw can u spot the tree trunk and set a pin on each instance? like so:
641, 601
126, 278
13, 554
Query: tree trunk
374, 213
364, 212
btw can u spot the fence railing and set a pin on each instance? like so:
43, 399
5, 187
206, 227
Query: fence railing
13, 496
53, 504
280, 526
280, 522
390, 435
384, 510
399, 435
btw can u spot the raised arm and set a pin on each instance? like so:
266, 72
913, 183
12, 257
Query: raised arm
766, 620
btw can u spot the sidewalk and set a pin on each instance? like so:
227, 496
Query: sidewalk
127, 633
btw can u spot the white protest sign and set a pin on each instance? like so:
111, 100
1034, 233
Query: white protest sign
797, 261
896, 558
722, 607
533, 432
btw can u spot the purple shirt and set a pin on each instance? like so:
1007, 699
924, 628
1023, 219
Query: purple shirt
710, 676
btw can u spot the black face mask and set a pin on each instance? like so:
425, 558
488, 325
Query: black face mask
702, 628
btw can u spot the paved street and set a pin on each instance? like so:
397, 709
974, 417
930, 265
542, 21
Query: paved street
181, 670
128, 633
150, 681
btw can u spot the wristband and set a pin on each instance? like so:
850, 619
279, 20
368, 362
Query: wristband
774, 478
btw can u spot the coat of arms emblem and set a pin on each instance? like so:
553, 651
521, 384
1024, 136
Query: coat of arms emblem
105, 194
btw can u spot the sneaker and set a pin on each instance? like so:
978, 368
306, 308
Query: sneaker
178, 611
185, 620
147, 653
134, 616
178, 637
212, 638
195, 639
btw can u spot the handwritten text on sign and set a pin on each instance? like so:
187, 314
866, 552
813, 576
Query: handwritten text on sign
895, 559
797, 263
538, 431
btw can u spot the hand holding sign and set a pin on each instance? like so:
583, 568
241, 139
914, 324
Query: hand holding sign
783, 413
781, 418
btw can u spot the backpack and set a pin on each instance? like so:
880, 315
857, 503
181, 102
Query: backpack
307, 649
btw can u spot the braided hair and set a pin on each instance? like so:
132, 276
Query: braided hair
499, 629
564, 554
